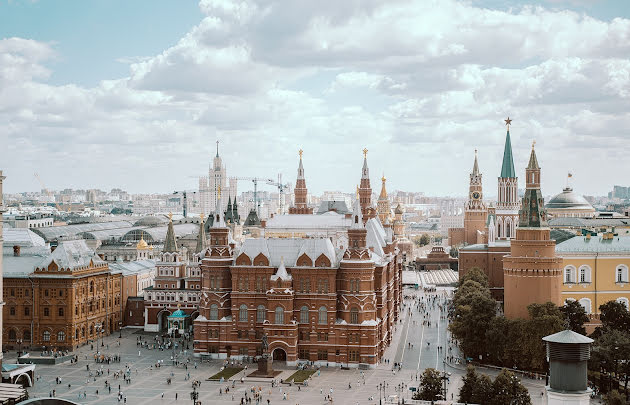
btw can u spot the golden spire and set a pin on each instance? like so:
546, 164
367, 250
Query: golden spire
300, 153
508, 121
365, 151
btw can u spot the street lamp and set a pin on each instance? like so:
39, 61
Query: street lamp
119, 329
19, 342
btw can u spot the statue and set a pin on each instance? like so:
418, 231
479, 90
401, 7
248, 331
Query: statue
265, 344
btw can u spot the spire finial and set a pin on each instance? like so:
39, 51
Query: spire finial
300, 153
217, 148
533, 144
365, 151
508, 121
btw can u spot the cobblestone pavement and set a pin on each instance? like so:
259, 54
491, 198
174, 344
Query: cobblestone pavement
148, 383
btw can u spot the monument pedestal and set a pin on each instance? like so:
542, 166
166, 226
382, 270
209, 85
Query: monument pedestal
265, 368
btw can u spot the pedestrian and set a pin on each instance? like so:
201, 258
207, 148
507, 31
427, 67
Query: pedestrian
175, 396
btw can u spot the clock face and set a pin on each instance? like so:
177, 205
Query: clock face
475, 195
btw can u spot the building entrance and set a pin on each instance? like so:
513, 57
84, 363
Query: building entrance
279, 355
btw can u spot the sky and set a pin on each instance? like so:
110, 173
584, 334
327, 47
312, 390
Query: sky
135, 95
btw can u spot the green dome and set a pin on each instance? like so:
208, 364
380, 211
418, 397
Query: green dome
179, 314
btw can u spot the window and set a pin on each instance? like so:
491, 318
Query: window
12, 311
323, 316
305, 336
354, 315
304, 314
27, 335
569, 274
586, 304
623, 301
46, 311
61, 312
46, 336
13, 293
12, 335
261, 313
61, 293
27, 311
242, 351
303, 354
279, 315
622, 274
61, 336
322, 336
353, 355
242, 313
91, 286
352, 286
46, 293
322, 355
214, 312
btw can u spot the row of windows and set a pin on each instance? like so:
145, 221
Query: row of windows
261, 312
303, 285
586, 303
27, 311
584, 273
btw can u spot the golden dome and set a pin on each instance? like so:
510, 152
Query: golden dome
142, 245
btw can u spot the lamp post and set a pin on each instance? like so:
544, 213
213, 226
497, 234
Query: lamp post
19, 342
119, 329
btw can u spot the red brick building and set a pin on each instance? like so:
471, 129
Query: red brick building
314, 302
300, 193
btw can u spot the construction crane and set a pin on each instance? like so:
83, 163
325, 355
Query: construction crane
281, 188
254, 180
48, 192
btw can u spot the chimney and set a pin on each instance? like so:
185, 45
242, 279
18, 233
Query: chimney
16, 251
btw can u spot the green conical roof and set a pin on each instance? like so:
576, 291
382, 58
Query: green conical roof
507, 170
169, 242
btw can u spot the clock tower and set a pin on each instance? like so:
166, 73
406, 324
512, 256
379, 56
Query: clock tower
476, 211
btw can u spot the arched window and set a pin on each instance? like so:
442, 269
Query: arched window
46, 336
585, 274
91, 286
323, 316
76, 334
624, 301
304, 314
61, 336
242, 313
621, 274
586, 304
354, 315
12, 334
261, 313
214, 312
279, 315
569, 276
508, 229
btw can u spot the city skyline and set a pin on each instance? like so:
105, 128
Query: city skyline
124, 107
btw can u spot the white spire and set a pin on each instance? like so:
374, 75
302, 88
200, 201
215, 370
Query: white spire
281, 273
300, 175
219, 220
357, 216
365, 174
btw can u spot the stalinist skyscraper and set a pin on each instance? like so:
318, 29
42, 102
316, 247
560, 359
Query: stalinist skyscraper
209, 187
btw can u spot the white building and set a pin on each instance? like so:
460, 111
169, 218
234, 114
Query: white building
209, 187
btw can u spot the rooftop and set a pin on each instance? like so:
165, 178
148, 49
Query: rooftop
328, 220
595, 244
569, 337
22, 237
568, 199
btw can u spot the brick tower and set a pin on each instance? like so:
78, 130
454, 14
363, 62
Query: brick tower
382, 205
301, 192
365, 190
532, 272
507, 200
475, 212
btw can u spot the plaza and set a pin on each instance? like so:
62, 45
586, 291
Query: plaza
414, 347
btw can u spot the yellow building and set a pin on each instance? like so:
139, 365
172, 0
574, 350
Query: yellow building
595, 271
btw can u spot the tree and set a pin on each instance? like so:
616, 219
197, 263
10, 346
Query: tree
454, 252
614, 397
474, 274
614, 315
575, 315
425, 239
611, 353
470, 381
482, 392
545, 319
507, 389
430, 385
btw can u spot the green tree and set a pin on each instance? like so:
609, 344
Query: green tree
507, 389
611, 353
430, 385
575, 315
470, 381
475, 274
545, 319
425, 239
482, 392
614, 397
614, 315
454, 252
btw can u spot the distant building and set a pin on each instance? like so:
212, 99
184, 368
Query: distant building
301, 193
437, 259
569, 204
216, 188
30, 221
339, 207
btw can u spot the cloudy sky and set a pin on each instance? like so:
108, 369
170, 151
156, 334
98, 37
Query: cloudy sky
135, 94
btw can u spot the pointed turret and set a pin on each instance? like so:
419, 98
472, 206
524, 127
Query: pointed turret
357, 215
169, 242
201, 237
365, 189
301, 192
228, 211
507, 169
475, 171
533, 161
219, 220
382, 206
365, 173
532, 214
235, 217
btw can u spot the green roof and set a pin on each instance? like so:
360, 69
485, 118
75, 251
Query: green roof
596, 244
179, 314
507, 170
